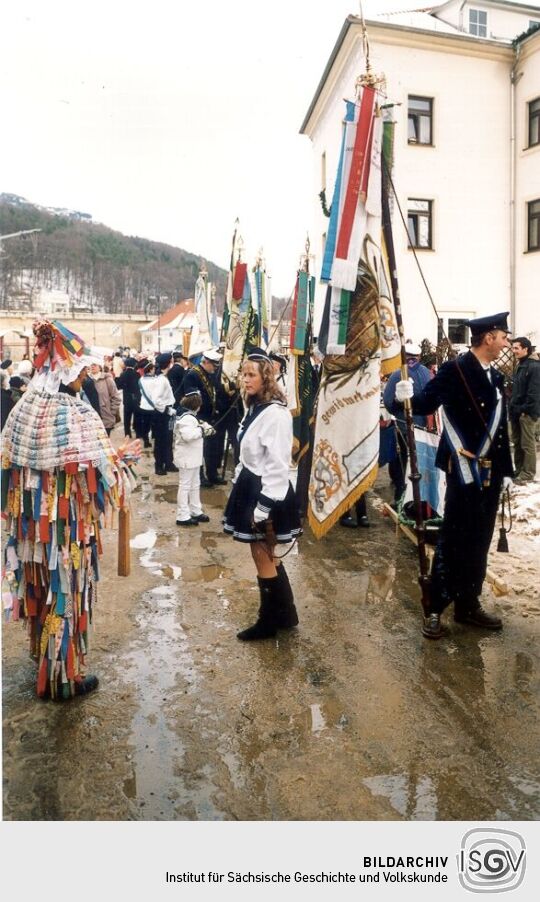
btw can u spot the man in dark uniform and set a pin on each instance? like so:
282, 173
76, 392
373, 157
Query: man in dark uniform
474, 451
128, 383
201, 377
176, 375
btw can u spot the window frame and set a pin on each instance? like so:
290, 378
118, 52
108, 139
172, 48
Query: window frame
478, 24
533, 116
412, 141
533, 217
420, 213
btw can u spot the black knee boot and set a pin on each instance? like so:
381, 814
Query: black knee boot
286, 613
266, 625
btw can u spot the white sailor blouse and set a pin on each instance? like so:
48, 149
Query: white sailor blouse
266, 438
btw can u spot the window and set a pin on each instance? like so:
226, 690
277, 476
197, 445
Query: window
533, 220
458, 331
478, 23
323, 171
534, 122
419, 222
420, 120
533, 23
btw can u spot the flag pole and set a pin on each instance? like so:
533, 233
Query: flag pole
424, 578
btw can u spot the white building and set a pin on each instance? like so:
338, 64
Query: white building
466, 156
171, 330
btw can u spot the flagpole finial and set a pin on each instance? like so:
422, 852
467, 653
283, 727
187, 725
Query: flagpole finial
369, 78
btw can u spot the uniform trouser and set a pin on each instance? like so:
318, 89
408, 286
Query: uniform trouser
162, 440
146, 424
189, 495
132, 418
212, 457
460, 561
398, 466
523, 437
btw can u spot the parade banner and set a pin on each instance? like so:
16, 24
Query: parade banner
299, 385
243, 324
433, 482
201, 335
358, 335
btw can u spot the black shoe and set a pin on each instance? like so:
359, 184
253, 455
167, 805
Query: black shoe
172, 468
364, 522
218, 480
147, 444
348, 521
265, 626
431, 627
478, 617
186, 522
160, 471
200, 518
86, 685
206, 484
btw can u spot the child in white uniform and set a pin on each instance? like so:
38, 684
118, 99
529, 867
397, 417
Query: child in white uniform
188, 457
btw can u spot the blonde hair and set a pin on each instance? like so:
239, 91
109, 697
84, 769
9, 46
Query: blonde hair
270, 390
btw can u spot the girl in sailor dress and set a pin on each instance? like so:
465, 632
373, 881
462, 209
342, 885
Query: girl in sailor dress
188, 436
262, 507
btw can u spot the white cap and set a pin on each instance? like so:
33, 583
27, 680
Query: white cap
412, 347
212, 355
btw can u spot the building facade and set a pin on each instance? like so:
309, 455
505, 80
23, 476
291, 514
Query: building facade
466, 102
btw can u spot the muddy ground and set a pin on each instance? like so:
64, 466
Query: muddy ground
351, 716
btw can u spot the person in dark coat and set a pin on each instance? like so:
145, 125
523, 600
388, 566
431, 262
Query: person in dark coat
176, 375
525, 410
89, 393
474, 451
7, 403
128, 383
201, 377
420, 376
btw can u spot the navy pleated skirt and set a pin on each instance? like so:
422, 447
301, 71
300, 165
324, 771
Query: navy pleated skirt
238, 514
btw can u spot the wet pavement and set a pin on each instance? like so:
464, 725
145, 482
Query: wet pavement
352, 716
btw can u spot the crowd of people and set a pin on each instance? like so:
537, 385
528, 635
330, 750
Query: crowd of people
193, 419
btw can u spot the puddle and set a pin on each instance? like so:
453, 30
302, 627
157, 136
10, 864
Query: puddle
156, 667
414, 799
207, 573
318, 723
171, 571
144, 540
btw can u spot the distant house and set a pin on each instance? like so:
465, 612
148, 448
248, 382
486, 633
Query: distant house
170, 330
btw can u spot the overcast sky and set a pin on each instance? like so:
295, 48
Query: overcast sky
170, 119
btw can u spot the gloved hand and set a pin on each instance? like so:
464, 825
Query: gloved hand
171, 411
508, 483
404, 390
207, 429
259, 516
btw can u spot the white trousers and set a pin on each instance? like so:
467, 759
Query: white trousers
189, 495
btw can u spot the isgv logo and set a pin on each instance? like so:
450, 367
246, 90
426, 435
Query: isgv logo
491, 861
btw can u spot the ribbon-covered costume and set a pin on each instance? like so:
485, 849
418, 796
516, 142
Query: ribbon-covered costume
61, 479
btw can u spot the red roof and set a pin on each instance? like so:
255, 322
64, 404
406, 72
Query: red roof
183, 308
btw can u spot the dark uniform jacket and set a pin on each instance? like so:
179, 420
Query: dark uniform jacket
128, 382
449, 388
526, 389
176, 377
197, 379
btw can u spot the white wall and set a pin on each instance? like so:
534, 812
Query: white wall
466, 174
527, 189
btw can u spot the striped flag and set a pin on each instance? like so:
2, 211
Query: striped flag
358, 334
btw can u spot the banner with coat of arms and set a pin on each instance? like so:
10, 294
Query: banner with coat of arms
359, 334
